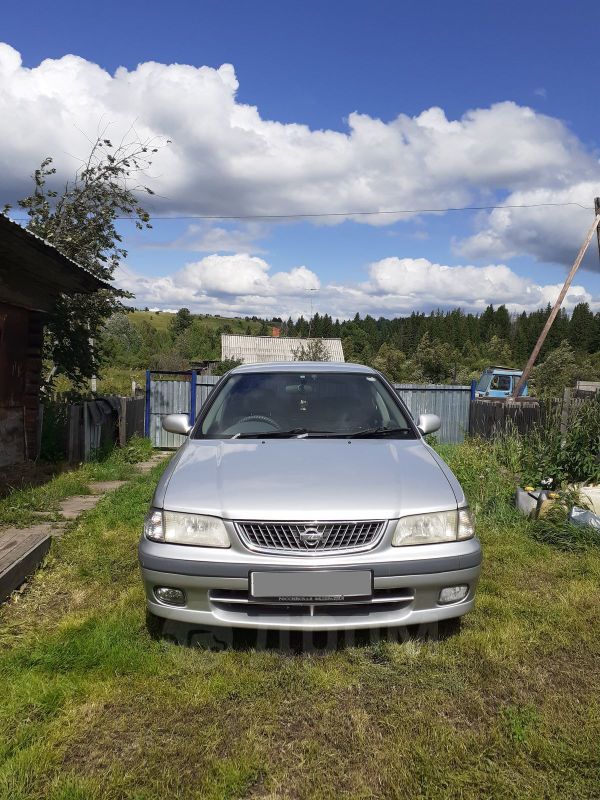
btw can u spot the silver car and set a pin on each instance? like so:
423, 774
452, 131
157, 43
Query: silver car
305, 497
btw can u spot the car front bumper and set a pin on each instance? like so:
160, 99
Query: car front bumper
405, 591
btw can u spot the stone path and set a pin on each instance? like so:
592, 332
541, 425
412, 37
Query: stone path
23, 549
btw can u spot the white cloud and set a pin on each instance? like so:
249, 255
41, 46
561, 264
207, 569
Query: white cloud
243, 284
206, 237
226, 159
237, 283
547, 233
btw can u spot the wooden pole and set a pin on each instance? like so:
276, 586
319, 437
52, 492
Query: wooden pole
539, 344
597, 213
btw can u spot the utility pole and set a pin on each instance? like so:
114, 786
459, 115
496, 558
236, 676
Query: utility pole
542, 338
597, 212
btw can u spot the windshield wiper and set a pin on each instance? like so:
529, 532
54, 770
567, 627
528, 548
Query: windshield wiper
304, 433
373, 433
293, 433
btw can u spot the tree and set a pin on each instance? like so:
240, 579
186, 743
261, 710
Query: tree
496, 352
197, 342
121, 339
559, 369
582, 328
436, 359
81, 223
180, 322
392, 362
314, 350
224, 366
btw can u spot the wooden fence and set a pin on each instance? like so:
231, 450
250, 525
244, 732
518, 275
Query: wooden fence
77, 431
490, 418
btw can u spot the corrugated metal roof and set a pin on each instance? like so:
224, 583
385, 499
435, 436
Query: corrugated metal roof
12, 227
262, 349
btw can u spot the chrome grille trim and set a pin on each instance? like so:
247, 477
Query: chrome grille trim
285, 537
240, 597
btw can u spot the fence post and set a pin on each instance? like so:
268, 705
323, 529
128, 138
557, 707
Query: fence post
86, 433
193, 397
147, 408
565, 412
473, 387
122, 421
73, 433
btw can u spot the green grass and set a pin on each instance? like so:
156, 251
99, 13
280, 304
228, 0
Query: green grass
16, 508
93, 708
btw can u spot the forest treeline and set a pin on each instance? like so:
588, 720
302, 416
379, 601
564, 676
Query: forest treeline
442, 346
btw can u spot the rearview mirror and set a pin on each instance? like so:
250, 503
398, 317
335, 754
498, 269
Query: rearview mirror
177, 423
428, 423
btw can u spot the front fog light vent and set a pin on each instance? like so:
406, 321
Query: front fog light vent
453, 594
169, 595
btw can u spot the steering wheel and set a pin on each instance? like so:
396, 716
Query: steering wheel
261, 418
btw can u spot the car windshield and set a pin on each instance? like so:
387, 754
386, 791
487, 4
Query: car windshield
304, 404
484, 382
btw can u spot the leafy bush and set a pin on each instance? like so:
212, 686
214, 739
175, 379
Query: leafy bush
574, 458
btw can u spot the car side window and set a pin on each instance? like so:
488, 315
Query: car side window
501, 383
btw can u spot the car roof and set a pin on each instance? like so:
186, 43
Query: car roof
504, 370
304, 366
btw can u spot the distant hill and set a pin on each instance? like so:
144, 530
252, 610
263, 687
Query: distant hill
161, 320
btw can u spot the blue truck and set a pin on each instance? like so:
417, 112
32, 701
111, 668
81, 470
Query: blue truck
499, 382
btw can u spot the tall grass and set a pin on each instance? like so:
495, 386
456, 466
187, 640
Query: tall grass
491, 470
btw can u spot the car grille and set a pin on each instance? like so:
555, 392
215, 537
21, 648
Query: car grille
310, 537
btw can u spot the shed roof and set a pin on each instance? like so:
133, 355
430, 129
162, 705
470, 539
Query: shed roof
263, 349
33, 272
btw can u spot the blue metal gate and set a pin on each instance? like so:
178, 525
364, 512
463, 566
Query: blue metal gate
450, 403
173, 393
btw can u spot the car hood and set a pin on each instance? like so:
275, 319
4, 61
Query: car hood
307, 479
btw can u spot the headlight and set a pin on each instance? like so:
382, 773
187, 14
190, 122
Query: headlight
440, 526
178, 528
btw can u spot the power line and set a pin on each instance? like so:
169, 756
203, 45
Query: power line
316, 215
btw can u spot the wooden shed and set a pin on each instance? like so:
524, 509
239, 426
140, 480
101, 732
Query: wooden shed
33, 274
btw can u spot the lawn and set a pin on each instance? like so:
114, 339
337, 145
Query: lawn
92, 707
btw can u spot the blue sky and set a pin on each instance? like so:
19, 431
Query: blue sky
314, 65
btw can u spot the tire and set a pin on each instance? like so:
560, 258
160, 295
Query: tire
438, 631
154, 625
449, 627
185, 634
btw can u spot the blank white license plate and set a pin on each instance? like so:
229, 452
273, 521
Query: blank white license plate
318, 586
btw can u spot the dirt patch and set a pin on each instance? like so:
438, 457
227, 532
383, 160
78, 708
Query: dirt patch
156, 739
28, 475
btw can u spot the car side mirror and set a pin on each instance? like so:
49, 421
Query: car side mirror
177, 423
428, 423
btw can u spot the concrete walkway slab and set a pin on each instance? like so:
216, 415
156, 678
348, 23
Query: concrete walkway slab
72, 507
158, 456
101, 487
